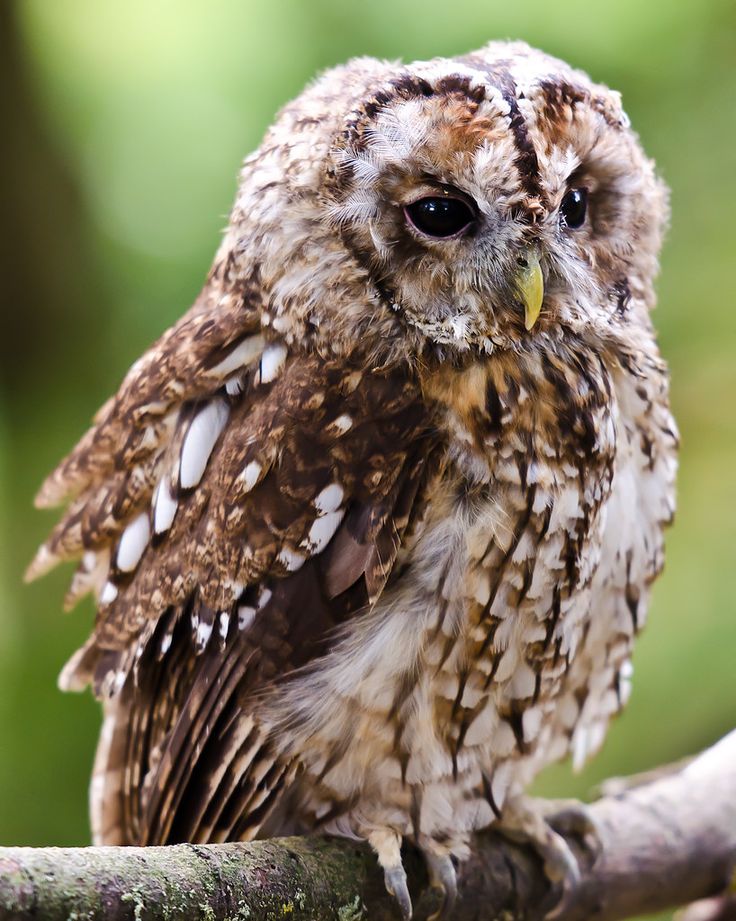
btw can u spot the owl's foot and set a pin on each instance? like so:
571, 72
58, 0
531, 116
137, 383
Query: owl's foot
387, 845
574, 819
541, 824
442, 877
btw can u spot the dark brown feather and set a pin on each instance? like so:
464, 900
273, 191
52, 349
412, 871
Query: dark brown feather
192, 764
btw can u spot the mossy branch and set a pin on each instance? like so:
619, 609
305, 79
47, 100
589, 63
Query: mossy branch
665, 841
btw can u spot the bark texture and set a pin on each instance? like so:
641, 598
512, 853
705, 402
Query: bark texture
666, 842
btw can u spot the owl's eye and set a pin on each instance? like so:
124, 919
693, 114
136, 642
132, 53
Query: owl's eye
573, 208
440, 216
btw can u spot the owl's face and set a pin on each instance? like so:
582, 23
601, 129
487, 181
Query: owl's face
486, 202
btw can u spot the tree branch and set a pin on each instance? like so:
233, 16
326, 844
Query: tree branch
667, 842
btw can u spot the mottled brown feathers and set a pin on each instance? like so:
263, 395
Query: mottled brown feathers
370, 548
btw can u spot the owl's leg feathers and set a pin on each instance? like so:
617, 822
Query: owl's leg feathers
540, 824
442, 876
387, 845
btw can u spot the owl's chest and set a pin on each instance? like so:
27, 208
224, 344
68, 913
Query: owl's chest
459, 669
530, 479
460, 663
515, 604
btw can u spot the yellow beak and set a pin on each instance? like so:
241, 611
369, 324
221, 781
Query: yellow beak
530, 287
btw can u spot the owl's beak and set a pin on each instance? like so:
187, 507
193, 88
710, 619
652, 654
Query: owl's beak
529, 283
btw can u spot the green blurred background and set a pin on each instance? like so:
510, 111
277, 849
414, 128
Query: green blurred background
123, 125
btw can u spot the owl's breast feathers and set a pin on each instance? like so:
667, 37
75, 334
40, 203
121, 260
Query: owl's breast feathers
238, 501
504, 642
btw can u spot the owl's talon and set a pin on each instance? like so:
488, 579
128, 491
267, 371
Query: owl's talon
573, 818
386, 842
563, 871
531, 821
395, 878
443, 878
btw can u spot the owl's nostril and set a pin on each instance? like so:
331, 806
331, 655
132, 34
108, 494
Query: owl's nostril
523, 262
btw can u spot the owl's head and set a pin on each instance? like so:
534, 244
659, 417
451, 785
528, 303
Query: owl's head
490, 201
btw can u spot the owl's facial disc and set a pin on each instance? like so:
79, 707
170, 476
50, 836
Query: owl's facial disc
447, 216
496, 203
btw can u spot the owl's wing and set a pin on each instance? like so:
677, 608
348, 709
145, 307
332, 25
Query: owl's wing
233, 504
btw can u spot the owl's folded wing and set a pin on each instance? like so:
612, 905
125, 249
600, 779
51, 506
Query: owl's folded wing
234, 503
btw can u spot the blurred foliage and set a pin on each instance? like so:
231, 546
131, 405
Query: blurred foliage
131, 121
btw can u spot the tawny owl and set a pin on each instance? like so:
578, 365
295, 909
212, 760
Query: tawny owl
372, 528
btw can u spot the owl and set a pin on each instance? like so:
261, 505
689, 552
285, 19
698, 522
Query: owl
371, 530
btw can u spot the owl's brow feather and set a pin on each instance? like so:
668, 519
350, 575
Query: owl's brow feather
499, 75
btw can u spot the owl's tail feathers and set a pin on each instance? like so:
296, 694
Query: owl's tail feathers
180, 758
224, 795
105, 791
105, 671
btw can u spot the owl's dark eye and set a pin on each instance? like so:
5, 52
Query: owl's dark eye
573, 208
440, 216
